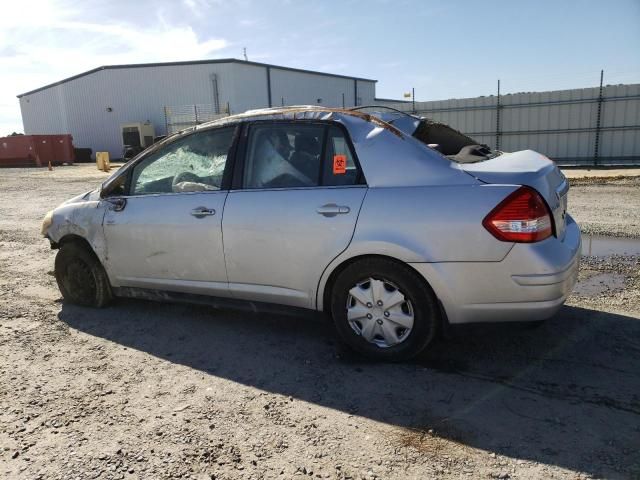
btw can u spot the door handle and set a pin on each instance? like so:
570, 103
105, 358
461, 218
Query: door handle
331, 210
202, 212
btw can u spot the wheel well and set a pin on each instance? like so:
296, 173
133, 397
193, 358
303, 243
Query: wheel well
77, 239
326, 297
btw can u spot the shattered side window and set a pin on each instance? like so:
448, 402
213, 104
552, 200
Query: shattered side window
194, 163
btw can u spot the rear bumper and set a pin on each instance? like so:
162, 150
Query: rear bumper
531, 283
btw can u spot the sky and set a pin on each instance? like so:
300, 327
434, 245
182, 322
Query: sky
443, 49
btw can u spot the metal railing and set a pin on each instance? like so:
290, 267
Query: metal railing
178, 118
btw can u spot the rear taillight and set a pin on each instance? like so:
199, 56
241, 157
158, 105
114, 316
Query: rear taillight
521, 217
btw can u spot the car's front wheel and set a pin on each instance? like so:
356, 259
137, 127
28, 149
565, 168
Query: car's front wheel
81, 278
384, 310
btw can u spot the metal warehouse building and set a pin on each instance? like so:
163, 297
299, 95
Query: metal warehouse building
93, 105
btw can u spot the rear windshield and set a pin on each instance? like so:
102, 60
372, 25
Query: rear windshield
450, 142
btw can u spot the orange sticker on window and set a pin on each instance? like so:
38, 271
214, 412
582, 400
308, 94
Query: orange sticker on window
339, 164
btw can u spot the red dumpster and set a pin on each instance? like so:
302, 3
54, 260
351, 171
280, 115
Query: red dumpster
36, 150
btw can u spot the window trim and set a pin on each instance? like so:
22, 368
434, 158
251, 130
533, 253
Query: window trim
323, 155
237, 183
226, 175
360, 180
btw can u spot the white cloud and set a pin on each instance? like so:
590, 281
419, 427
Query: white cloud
57, 40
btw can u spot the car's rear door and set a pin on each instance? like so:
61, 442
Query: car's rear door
299, 191
168, 235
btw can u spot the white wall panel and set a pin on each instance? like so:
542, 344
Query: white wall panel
560, 124
300, 88
249, 87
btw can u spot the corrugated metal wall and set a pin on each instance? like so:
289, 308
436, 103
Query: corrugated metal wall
249, 89
81, 106
296, 88
561, 124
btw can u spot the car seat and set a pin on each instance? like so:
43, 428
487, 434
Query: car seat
306, 157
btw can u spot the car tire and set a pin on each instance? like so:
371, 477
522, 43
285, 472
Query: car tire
420, 303
81, 277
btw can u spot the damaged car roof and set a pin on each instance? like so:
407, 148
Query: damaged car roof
302, 112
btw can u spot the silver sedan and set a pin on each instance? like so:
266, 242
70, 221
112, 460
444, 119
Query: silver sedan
392, 224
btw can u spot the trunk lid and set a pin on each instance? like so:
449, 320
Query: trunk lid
518, 168
527, 168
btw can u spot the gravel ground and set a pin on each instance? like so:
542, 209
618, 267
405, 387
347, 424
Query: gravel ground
606, 206
607, 172
146, 390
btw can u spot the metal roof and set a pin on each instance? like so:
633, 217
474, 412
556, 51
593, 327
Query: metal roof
192, 62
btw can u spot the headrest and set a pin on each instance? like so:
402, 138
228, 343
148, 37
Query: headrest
307, 144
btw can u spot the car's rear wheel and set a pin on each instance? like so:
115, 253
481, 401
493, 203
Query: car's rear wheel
81, 277
384, 310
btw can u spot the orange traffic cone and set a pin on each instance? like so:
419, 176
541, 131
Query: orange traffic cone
50, 167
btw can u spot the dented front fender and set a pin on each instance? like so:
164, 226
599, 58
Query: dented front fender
81, 218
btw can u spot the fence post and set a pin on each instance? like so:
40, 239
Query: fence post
498, 118
195, 111
413, 100
166, 121
355, 92
596, 147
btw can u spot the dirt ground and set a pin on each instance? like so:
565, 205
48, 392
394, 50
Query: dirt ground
149, 390
595, 172
606, 206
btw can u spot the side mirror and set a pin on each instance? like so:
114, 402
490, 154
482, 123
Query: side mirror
118, 203
114, 186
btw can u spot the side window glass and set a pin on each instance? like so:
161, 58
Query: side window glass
339, 166
194, 163
283, 156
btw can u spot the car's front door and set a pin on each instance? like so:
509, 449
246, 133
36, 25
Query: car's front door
168, 235
293, 212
